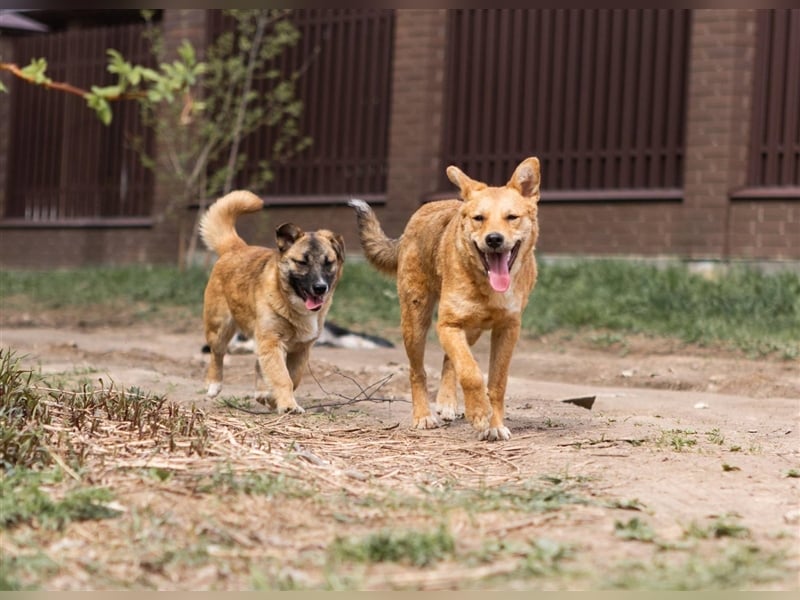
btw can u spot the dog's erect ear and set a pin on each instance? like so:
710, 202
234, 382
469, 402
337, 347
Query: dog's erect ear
338, 244
526, 178
337, 241
286, 235
464, 183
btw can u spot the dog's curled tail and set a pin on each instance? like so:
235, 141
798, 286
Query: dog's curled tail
379, 249
218, 225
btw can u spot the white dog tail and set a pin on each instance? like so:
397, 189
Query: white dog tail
218, 225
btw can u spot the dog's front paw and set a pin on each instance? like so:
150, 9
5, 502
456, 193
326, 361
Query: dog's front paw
479, 422
214, 389
428, 422
265, 398
447, 413
494, 434
294, 409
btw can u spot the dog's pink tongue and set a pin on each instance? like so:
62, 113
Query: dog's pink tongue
313, 302
499, 278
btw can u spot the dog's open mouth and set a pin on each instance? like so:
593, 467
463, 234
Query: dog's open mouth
498, 266
313, 303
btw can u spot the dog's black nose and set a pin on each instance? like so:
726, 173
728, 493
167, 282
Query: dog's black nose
319, 289
494, 240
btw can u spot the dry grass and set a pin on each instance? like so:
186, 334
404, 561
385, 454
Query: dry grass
186, 499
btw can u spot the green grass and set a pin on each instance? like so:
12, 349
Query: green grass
746, 308
22, 500
737, 567
100, 285
742, 308
417, 548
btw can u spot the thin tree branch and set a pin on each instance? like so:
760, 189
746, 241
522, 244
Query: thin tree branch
63, 86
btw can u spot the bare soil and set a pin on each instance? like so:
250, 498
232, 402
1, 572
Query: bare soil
677, 437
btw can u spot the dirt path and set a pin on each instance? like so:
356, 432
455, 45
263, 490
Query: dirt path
691, 439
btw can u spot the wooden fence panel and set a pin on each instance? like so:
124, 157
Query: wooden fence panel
598, 95
65, 165
775, 133
346, 61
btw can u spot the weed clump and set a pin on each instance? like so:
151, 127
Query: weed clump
419, 549
38, 421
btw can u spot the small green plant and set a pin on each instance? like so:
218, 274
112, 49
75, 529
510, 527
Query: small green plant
793, 473
722, 526
419, 549
227, 481
737, 567
23, 501
677, 439
715, 436
634, 529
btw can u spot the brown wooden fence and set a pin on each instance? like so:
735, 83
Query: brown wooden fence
65, 166
598, 95
346, 58
775, 133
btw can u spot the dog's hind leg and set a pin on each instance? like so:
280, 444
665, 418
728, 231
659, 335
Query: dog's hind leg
218, 335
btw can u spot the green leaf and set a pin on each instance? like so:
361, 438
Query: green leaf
36, 71
101, 106
150, 74
3, 88
111, 91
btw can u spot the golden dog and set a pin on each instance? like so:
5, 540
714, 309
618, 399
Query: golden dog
279, 298
474, 256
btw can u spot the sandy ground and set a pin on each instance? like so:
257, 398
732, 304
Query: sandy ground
741, 417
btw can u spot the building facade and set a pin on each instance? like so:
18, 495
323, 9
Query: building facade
662, 133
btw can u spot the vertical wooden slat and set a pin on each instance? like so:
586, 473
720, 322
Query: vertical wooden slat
597, 145
586, 100
776, 84
572, 74
641, 151
531, 100
791, 107
655, 129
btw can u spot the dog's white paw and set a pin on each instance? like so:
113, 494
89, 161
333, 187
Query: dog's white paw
447, 413
214, 389
295, 409
494, 434
429, 422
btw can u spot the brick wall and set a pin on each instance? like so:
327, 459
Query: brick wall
720, 82
616, 228
762, 229
416, 121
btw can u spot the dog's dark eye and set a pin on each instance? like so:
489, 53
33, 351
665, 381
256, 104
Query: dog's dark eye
300, 262
328, 262
478, 218
512, 217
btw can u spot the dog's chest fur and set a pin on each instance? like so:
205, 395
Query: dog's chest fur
307, 329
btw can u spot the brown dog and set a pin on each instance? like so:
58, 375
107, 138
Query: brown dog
279, 298
476, 257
